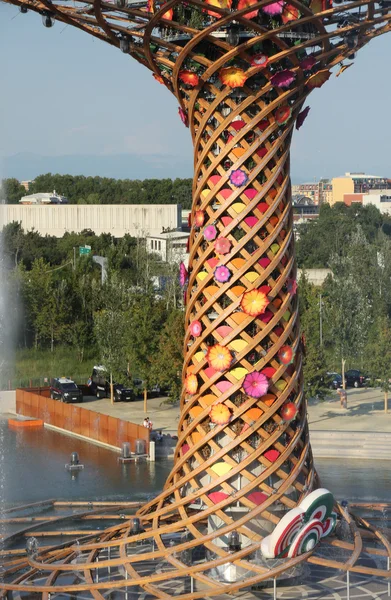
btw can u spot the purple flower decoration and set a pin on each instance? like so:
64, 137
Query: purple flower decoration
301, 117
308, 62
222, 274
210, 233
183, 275
184, 117
238, 178
283, 79
275, 8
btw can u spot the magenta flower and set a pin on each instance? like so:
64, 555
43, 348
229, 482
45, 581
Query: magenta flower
210, 233
238, 178
308, 62
301, 117
195, 328
275, 8
255, 384
291, 286
183, 275
183, 116
283, 79
222, 274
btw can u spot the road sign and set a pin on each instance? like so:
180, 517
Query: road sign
84, 250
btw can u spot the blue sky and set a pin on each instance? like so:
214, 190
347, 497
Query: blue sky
65, 93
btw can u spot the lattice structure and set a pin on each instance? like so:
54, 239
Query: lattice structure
241, 72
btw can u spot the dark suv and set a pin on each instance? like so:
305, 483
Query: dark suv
333, 380
100, 387
65, 390
354, 378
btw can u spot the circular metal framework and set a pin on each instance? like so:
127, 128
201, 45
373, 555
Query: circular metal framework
241, 72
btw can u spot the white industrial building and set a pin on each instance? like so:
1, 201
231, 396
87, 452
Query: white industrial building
137, 220
44, 198
379, 198
171, 246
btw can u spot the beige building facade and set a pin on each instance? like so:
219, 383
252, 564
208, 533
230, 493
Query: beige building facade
137, 220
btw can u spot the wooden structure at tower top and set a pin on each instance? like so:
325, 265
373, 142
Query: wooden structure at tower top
241, 71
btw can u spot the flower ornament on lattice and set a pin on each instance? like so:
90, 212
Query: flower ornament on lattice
302, 528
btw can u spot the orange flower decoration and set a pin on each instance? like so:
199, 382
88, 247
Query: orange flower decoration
199, 218
233, 77
220, 414
254, 303
318, 79
151, 6
290, 13
191, 384
219, 4
158, 78
189, 77
219, 357
169, 15
252, 13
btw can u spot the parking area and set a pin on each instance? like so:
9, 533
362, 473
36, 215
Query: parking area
163, 415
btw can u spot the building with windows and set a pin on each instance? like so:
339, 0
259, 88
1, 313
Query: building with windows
171, 246
357, 183
381, 199
319, 192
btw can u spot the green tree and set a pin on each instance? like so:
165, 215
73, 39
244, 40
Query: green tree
167, 366
379, 356
11, 191
146, 320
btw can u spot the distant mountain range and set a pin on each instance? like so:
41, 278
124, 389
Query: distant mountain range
25, 166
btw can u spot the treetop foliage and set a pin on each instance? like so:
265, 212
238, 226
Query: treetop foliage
103, 190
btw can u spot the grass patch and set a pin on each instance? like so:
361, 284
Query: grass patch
31, 367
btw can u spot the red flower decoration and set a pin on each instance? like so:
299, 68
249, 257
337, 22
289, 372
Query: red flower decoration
252, 13
290, 13
158, 78
199, 218
291, 286
308, 62
222, 245
189, 77
195, 328
259, 60
283, 79
282, 114
220, 4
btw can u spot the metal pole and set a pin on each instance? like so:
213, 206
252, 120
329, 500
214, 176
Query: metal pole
97, 571
275, 589
126, 589
389, 582
109, 557
347, 585
191, 585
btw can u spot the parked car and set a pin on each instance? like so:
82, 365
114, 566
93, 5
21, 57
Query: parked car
355, 378
65, 390
333, 380
100, 386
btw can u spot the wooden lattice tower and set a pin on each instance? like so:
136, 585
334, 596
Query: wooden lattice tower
241, 72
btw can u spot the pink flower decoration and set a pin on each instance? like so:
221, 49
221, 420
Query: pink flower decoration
183, 275
183, 116
308, 62
283, 79
259, 60
301, 117
195, 328
291, 286
210, 233
222, 274
255, 384
238, 178
222, 245
275, 8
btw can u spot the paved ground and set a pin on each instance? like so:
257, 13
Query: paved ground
365, 412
